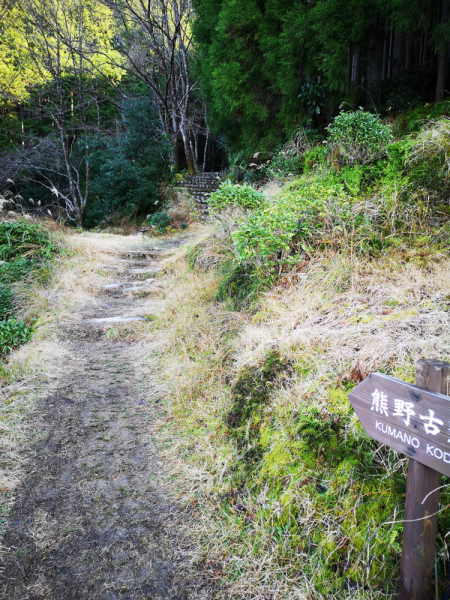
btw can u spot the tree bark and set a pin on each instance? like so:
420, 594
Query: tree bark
398, 60
442, 68
375, 58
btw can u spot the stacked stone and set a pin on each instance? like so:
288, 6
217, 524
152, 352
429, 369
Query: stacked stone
200, 187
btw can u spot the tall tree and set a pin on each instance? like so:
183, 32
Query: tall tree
155, 37
442, 34
265, 63
56, 36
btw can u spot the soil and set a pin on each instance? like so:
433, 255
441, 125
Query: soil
94, 519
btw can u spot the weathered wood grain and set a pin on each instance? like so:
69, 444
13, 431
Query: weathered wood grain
425, 435
422, 505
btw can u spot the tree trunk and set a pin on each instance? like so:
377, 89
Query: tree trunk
190, 157
397, 62
442, 69
175, 154
375, 58
205, 151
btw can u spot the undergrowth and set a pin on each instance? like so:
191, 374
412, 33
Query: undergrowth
270, 322
26, 251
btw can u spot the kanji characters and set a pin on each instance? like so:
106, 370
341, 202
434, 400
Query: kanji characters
403, 409
431, 426
379, 403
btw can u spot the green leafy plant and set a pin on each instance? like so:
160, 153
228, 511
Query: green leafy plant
13, 333
312, 96
358, 137
230, 195
316, 156
16, 269
27, 240
6, 305
160, 221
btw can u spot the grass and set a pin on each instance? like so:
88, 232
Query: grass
294, 500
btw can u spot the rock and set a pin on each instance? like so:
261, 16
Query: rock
112, 286
114, 320
28, 217
137, 288
11, 214
144, 271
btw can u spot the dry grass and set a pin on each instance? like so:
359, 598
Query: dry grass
336, 318
339, 319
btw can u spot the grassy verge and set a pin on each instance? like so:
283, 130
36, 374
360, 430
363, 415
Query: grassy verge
28, 253
270, 322
294, 494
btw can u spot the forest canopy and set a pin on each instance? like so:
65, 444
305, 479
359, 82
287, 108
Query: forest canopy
270, 66
218, 77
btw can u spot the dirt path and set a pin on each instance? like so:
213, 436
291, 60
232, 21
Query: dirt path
93, 520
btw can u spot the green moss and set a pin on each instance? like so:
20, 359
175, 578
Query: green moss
250, 395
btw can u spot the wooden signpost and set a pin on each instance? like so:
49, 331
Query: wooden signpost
414, 420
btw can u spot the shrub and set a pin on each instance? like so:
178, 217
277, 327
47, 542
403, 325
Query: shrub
315, 156
284, 164
6, 305
230, 195
433, 145
160, 221
27, 240
305, 213
13, 334
16, 270
126, 169
358, 136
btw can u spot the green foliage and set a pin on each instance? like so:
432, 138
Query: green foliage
17, 269
229, 195
26, 240
160, 221
284, 164
6, 304
312, 459
13, 334
358, 137
268, 66
127, 169
417, 118
244, 282
312, 96
250, 394
315, 156
28, 249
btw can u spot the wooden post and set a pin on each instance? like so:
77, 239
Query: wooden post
419, 536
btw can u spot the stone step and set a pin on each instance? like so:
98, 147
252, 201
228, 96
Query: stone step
154, 253
112, 286
144, 271
120, 319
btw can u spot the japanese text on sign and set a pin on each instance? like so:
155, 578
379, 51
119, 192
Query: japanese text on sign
405, 410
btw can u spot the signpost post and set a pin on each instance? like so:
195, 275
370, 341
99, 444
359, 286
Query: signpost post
414, 420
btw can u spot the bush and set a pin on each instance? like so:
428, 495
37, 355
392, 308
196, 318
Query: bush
284, 164
126, 169
230, 195
16, 270
315, 156
358, 137
303, 215
13, 334
6, 305
27, 240
160, 221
